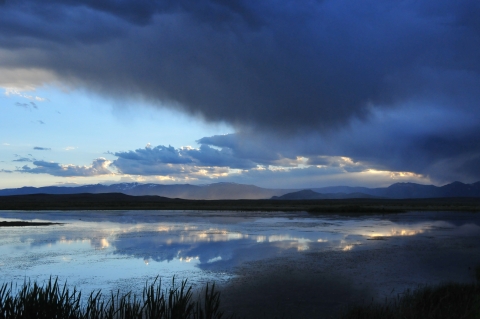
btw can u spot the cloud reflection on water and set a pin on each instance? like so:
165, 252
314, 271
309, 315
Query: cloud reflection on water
168, 244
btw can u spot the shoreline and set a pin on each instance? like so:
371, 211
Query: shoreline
117, 201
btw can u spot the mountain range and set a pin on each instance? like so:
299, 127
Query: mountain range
185, 191
217, 191
410, 190
309, 194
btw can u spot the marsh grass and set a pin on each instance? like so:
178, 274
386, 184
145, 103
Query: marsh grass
446, 301
53, 300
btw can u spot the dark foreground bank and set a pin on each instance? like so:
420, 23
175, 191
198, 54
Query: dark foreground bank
57, 301
117, 201
20, 224
442, 302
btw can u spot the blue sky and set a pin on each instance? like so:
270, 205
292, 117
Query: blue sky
277, 94
75, 127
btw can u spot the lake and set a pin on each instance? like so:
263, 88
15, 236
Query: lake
265, 254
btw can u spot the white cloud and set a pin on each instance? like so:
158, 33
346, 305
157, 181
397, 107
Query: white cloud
16, 92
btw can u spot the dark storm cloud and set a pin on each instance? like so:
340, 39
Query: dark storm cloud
38, 148
98, 167
285, 66
391, 84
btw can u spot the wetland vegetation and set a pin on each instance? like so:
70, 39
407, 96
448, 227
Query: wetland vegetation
52, 300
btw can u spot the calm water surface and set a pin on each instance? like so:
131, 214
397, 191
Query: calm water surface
124, 249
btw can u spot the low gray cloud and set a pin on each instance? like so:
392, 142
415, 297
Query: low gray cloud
265, 149
163, 160
23, 159
152, 155
98, 167
225, 157
311, 177
39, 148
207, 162
159, 160
215, 163
347, 164
439, 143
133, 167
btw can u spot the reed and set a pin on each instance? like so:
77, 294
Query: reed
55, 301
52, 300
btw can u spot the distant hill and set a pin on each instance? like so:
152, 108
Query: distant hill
220, 191
410, 190
214, 191
307, 194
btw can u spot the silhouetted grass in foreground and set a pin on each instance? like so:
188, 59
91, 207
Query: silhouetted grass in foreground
53, 301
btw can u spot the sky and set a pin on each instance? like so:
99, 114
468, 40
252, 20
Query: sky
280, 94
